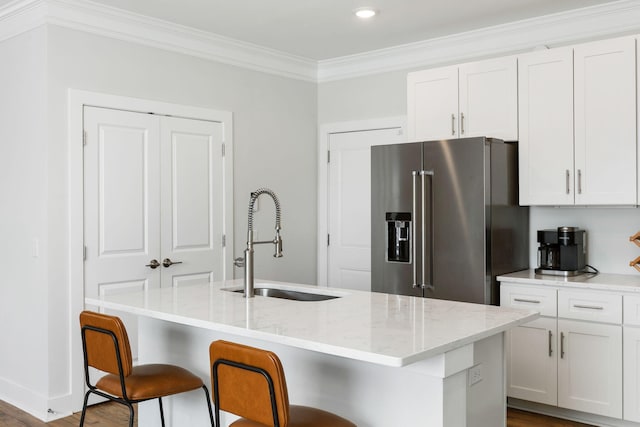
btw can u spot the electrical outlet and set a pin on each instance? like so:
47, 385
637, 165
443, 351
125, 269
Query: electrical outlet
475, 374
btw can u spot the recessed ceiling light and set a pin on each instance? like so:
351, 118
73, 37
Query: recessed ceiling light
365, 12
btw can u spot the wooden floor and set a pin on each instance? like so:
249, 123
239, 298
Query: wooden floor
115, 415
104, 415
517, 418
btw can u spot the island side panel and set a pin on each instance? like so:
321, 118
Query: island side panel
486, 398
370, 395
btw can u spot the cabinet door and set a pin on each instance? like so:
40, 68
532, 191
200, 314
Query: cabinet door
488, 99
432, 104
590, 367
631, 369
545, 88
605, 122
532, 362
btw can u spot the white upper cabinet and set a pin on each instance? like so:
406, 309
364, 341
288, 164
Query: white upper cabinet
475, 99
577, 117
605, 122
545, 88
432, 99
488, 99
572, 109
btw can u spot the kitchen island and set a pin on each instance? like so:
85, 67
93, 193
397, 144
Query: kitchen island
377, 359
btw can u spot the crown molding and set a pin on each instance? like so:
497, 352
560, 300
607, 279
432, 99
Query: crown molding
85, 15
600, 21
617, 18
20, 16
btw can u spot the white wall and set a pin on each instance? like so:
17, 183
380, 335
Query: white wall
380, 95
24, 287
608, 230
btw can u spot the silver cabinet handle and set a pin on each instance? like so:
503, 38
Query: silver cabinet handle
168, 263
531, 301
589, 307
567, 176
550, 346
430, 284
414, 210
461, 123
579, 181
453, 124
153, 264
561, 345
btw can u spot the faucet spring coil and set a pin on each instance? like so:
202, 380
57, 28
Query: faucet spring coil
252, 201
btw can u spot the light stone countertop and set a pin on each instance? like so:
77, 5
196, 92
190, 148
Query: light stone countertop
384, 329
601, 281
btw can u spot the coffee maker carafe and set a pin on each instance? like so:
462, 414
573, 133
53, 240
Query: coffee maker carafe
562, 252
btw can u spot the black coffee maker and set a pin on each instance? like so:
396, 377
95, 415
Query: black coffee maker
562, 252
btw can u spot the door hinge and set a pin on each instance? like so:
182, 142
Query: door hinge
223, 150
84, 253
328, 239
224, 241
328, 156
84, 137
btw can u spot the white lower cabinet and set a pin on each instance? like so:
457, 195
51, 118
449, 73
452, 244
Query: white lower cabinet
571, 360
590, 367
631, 357
532, 369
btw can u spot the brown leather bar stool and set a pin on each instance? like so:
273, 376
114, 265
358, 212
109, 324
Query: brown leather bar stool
106, 347
250, 383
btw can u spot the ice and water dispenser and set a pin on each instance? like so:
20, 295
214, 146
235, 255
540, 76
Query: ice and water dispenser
398, 237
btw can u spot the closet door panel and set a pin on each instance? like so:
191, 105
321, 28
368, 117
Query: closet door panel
192, 193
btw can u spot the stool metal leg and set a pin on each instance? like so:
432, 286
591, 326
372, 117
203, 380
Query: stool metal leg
84, 407
206, 393
161, 411
131, 413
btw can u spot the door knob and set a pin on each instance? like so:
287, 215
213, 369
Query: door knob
153, 264
168, 263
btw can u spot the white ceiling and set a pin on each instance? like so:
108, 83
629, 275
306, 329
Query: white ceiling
323, 29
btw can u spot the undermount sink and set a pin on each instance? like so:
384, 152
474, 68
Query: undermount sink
289, 294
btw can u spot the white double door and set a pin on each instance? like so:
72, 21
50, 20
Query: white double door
153, 202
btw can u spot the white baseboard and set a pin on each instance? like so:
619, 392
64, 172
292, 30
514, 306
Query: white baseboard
42, 407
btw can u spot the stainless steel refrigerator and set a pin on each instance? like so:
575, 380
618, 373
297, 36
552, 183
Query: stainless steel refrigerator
445, 219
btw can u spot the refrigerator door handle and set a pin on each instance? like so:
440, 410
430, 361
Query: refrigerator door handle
414, 247
424, 174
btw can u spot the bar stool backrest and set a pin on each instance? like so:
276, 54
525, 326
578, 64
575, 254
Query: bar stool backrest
249, 382
104, 337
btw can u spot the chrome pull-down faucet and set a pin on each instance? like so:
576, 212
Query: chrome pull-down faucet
248, 253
